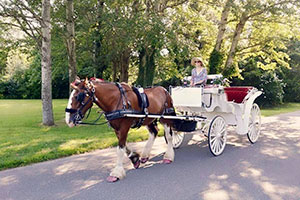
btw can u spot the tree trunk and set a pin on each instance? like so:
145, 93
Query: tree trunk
142, 62
71, 48
46, 65
236, 36
222, 25
125, 57
99, 63
115, 63
150, 67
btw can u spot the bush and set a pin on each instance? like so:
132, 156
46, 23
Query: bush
267, 81
273, 89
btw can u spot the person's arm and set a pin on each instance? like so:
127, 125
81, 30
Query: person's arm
193, 77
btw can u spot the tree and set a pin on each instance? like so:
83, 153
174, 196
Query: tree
48, 119
253, 10
71, 48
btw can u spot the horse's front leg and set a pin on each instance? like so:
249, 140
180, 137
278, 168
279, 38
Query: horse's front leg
153, 131
169, 155
118, 172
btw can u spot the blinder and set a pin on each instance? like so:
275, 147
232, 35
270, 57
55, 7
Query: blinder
78, 116
80, 97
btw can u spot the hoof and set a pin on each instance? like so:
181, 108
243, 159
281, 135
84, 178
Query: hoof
112, 179
144, 160
167, 161
137, 164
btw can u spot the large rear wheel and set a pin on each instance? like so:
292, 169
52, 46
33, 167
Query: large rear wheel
217, 135
254, 123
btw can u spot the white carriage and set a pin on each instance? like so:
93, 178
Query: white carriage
214, 107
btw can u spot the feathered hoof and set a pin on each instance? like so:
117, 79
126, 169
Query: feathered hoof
137, 164
144, 160
112, 179
167, 161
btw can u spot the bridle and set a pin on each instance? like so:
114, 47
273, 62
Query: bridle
80, 98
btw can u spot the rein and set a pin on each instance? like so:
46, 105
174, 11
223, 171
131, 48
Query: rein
94, 122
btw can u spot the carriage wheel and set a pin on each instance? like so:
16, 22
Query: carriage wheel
217, 135
178, 138
254, 123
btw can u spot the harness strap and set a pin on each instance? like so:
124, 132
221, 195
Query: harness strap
123, 96
120, 113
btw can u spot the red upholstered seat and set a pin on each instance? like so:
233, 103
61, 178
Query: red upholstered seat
237, 94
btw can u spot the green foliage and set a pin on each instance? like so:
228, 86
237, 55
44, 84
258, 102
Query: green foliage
231, 71
267, 81
215, 62
103, 32
273, 89
291, 76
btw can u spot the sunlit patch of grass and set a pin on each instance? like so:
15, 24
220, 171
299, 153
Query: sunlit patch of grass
284, 108
72, 144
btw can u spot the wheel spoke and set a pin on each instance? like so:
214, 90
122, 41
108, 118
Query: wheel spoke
213, 139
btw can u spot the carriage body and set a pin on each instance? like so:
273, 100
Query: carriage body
217, 100
216, 104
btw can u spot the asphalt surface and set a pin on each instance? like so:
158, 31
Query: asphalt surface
269, 169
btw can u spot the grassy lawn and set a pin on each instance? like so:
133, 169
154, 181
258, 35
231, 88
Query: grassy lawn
23, 140
285, 108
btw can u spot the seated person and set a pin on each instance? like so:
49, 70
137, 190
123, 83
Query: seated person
199, 73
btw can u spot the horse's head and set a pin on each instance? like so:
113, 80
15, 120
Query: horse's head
80, 100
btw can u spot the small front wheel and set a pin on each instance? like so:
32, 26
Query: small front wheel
178, 138
217, 135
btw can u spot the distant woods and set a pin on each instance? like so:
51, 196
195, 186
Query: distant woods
150, 42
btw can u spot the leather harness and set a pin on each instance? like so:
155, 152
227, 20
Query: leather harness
126, 106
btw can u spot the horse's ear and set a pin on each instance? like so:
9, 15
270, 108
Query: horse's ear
74, 86
86, 81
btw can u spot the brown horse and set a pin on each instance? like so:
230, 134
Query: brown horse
109, 98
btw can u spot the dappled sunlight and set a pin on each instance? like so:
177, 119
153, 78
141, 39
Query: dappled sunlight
215, 191
44, 151
8, 180
280, 134
79, 186
280, 152
68, 167
222, 188
97, 160
269, 186
71, 144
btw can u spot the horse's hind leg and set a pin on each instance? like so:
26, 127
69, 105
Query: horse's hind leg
134, 157
169, 155
153, 131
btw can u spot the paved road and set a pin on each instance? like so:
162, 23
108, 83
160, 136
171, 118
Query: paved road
269, 169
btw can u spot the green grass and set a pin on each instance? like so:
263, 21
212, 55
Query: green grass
285, 108
23, 140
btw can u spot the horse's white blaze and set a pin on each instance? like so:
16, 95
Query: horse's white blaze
70, 124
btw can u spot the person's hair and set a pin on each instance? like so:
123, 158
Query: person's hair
193, 62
